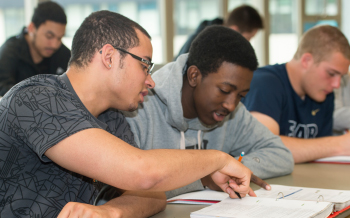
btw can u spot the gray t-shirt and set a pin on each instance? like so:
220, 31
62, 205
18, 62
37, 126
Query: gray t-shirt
35, 115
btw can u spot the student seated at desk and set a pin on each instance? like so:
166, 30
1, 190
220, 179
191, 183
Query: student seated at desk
196, 105
243, 19
37, 49
61, 133
296, 101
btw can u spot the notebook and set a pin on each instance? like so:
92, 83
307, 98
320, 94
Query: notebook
206, 196
340, 198
334, 160
281, 201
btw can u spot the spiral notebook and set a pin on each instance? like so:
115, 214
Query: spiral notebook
281, 201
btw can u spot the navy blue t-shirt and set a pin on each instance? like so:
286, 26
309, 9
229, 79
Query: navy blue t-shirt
271, 93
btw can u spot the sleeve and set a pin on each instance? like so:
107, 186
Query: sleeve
341, 115
265, 154
41, 117
118, 126
195, 186
8, 65
265, 95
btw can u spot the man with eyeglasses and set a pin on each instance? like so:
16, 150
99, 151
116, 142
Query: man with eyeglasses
38, 49
63, 136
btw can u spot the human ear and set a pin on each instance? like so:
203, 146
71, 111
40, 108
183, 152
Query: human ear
306, 60
235, 28
31, 28
107, 53
193, 76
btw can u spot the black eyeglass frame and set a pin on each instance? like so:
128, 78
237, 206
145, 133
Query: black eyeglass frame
150, 64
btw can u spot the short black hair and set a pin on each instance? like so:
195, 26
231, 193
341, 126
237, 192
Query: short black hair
217, 44
101, 28
246, 18
48, 11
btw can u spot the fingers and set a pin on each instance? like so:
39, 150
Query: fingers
65, 212
251, 193
256, 180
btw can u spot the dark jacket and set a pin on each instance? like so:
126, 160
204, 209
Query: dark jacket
16, 63
186, 47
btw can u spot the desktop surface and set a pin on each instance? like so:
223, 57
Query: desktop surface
312, 175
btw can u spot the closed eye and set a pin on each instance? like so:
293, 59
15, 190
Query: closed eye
331, 74
226, 93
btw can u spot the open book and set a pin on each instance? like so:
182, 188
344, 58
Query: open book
281, 201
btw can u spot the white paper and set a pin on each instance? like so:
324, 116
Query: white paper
256, 207
336, 159
199, 195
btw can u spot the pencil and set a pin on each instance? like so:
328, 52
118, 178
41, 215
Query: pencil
239, 159
241, 156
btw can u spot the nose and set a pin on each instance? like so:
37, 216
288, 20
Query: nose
149, 82
336, 82
55, 43
229, 105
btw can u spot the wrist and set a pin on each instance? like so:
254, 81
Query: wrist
113, 211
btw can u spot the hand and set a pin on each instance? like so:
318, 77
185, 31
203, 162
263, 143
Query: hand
256, 180
238, 177
344, 145
75, 210
208, 182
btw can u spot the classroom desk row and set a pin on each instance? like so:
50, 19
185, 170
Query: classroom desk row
317, 175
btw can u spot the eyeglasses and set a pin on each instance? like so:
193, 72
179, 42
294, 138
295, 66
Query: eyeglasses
150, 65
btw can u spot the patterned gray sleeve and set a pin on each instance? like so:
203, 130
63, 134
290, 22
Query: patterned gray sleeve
43, 116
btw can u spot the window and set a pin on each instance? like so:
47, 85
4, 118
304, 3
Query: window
144, 12
11, 18
188, 14
283, 39
321, 7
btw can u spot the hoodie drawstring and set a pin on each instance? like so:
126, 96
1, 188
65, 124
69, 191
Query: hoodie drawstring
183, 143
199, 139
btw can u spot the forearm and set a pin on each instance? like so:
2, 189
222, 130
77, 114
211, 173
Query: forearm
304, 150
269, 163
138, 204
102, 156
186, 166
195, 186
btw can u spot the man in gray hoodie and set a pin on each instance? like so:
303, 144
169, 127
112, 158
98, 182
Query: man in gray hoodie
196, 105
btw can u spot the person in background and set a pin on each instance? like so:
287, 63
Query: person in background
63, 135
295, 100
243, 19
196, 105
37, 49
341, 115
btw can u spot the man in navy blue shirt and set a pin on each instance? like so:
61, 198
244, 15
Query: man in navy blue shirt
295, 100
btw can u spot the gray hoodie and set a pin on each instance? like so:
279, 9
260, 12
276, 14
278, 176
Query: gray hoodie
341, 115
159, 123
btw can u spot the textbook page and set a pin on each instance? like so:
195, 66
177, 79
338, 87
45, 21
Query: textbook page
340, 198
206, 196
335, 159
256, 207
